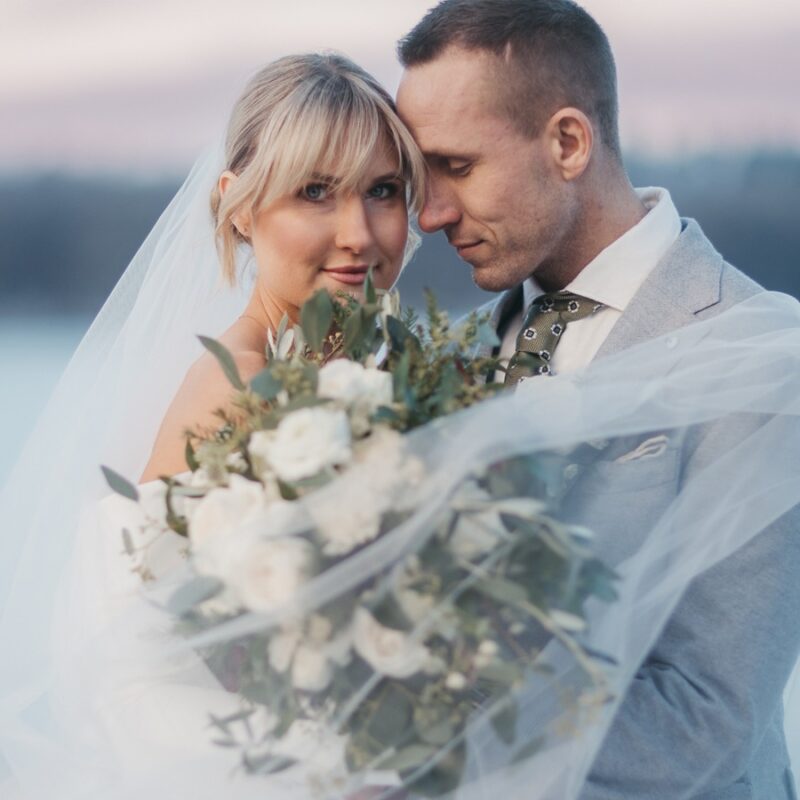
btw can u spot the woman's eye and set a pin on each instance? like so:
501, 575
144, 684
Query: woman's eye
384, 191
315, 192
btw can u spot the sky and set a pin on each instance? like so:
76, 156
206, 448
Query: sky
141, 86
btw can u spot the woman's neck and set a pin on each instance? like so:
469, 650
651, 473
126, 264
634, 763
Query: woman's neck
267, 310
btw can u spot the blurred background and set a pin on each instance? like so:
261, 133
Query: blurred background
105, 103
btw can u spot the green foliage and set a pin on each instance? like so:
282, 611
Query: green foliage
316, 317
225, 359
120, 485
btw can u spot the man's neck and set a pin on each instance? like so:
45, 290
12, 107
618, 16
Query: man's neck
604, 218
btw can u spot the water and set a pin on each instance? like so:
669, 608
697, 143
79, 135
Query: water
33, 354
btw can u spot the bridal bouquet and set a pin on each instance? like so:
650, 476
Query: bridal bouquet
362, 649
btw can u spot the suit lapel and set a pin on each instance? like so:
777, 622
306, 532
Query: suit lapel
684, 283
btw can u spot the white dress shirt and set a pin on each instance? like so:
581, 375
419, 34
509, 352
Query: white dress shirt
612, 278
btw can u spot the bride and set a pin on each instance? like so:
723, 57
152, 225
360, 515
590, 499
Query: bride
314, 187
319, 174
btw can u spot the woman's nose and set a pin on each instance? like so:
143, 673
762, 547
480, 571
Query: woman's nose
353, 228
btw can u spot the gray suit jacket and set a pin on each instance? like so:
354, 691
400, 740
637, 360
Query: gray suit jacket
703, 717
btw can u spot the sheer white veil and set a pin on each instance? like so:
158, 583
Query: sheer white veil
107, 408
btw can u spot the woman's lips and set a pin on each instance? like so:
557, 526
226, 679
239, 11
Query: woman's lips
351, 276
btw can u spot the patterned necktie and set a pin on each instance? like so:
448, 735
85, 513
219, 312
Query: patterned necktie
542, 329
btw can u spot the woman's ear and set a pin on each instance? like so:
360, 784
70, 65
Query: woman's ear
241, 219
571, 136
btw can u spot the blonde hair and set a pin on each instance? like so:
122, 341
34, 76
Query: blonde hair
300, 117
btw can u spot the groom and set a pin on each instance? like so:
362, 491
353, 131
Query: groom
514, 105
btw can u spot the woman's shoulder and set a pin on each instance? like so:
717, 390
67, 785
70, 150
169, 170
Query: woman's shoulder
204, 391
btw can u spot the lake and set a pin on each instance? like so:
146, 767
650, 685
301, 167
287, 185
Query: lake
33, 354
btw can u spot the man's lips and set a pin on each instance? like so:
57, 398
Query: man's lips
465, 247
351, 274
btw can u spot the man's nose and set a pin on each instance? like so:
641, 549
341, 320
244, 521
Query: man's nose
353, 225
440, 208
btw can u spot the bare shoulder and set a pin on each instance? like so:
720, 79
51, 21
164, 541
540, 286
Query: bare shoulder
205, 389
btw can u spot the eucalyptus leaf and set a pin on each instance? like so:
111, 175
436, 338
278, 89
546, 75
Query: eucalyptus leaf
316, 317
504, 723
503, 590
407, 758
191, 458
392, 718
528, 750
266, 384
127, 542
225, 359
398, 334
354, 333
370, 295
500, 672
120, 485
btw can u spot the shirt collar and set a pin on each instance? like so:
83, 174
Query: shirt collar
615, 275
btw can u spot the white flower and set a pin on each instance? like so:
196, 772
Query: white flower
476, 535
348, 513
316, 746
311, 669
307, 441
350, 383
455, 681
269, 572
378, 389
415, 605
340, 379
311, 661
236, 462
488, 648
387, 651
218, 516
346, 518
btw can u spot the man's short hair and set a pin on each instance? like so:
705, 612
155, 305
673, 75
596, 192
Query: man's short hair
553, 55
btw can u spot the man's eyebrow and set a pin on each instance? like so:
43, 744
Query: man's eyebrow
444, 155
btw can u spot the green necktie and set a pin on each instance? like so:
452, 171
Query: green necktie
541, 331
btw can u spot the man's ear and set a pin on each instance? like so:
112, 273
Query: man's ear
571, 136
241, 219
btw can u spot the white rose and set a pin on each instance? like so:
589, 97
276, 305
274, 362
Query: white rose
387, 651
258, 447
377, 388
312, 661
218, 516
311, 670
269, 572
476, 535
307, 441
415, 605
340, 379
348, 517
352, 384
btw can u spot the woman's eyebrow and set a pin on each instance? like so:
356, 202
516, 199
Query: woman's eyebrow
389, 176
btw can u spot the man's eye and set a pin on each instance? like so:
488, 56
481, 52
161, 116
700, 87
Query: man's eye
459, 168
384, 191
315, 192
